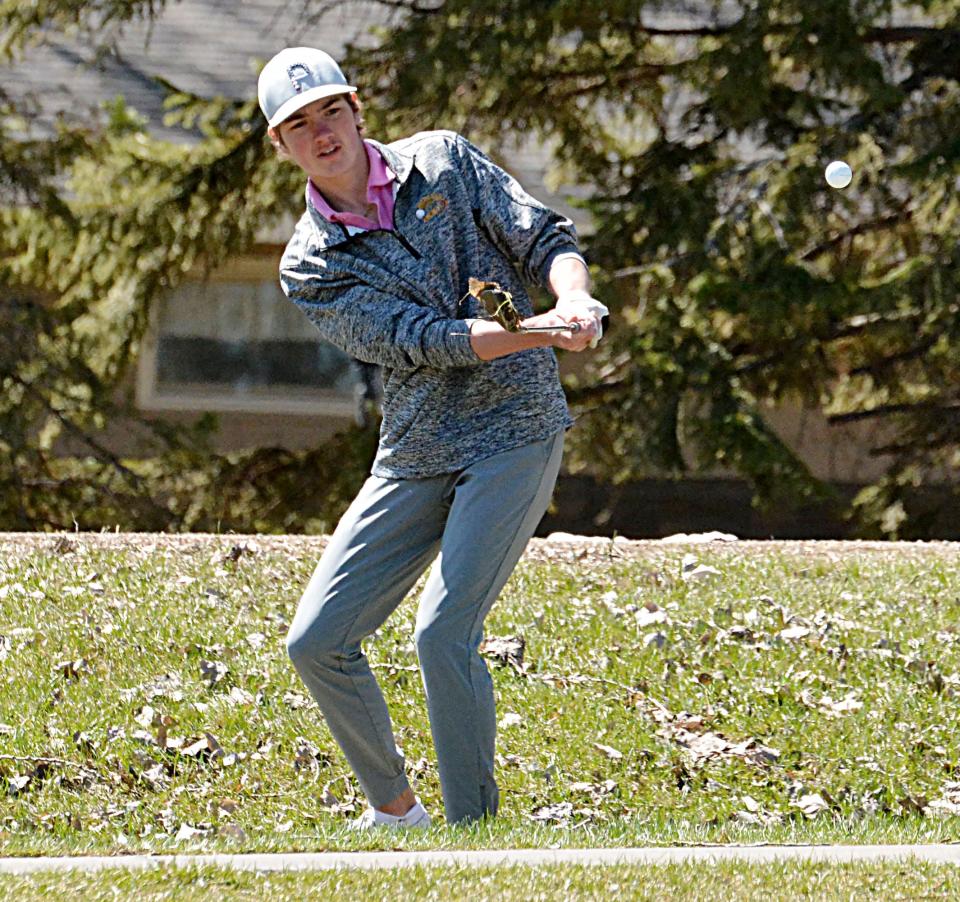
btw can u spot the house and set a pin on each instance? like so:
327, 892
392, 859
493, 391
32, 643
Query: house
232, 345
229, 343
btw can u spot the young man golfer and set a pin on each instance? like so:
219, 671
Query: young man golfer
473, 415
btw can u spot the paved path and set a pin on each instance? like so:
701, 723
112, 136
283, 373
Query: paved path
321, 861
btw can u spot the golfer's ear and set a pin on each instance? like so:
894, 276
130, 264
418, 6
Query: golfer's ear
357, 108
276, 139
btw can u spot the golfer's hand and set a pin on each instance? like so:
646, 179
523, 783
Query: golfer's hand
568, 341
578, 303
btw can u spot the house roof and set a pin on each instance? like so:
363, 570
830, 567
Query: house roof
209, 47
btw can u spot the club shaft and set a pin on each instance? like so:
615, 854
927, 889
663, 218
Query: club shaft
572, 327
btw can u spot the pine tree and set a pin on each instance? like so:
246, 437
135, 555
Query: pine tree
737, 277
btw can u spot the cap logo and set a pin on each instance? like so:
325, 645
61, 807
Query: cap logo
298, 73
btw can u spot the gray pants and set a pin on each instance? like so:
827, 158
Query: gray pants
479, 519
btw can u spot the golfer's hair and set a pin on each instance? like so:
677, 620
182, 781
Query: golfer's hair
354, 103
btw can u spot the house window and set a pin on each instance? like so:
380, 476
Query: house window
241, 346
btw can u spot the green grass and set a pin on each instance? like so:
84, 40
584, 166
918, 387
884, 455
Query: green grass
720, 882
620, 727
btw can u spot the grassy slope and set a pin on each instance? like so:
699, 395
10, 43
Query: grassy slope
801, 693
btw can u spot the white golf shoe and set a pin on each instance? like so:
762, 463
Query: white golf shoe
415, 819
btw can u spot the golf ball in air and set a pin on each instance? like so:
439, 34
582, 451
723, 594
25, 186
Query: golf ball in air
838, 174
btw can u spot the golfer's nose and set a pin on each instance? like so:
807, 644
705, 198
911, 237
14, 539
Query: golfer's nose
321, 131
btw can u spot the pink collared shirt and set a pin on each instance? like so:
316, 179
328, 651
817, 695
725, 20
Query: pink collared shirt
379, 192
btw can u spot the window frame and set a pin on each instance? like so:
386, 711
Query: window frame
151, 397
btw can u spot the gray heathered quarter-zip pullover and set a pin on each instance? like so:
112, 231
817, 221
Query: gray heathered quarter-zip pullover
399, 299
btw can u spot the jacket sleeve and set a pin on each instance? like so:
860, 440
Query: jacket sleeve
523, 229
373, 325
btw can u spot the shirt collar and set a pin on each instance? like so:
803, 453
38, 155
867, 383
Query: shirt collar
379, 177
380, 173
327, 232
400, 163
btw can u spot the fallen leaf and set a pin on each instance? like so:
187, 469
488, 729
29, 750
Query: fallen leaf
583, 787
609, 601
308, 756
168, 685
650, 614
72, 669
747, 817
811, 804
16, 785
156, 778
327, 798
707, 745
793, 633
593, 789
232, 831
144, 736
558, 813
239, 696
188, 832
145, 716
612, 753
698, 538
224, 807
213, 672
914, 804
206, 746
949, 803
699, 573
505, 650
844, 706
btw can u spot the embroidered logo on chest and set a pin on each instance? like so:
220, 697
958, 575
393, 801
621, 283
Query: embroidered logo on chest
430, 206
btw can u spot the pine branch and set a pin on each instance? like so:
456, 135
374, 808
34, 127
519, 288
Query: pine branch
906, 34
862, 228
877, 367
895, 34
406, 5
696, 31
887, 410
103, 453
913, 447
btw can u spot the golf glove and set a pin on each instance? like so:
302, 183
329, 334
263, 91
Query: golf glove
579, 302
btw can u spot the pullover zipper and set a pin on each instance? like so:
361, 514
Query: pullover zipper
396, 231
413, 251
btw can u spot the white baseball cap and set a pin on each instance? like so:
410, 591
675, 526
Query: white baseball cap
295, 77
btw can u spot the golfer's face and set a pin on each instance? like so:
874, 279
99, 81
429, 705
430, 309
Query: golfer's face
322, 138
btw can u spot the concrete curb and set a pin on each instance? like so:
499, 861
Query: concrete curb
323, 861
